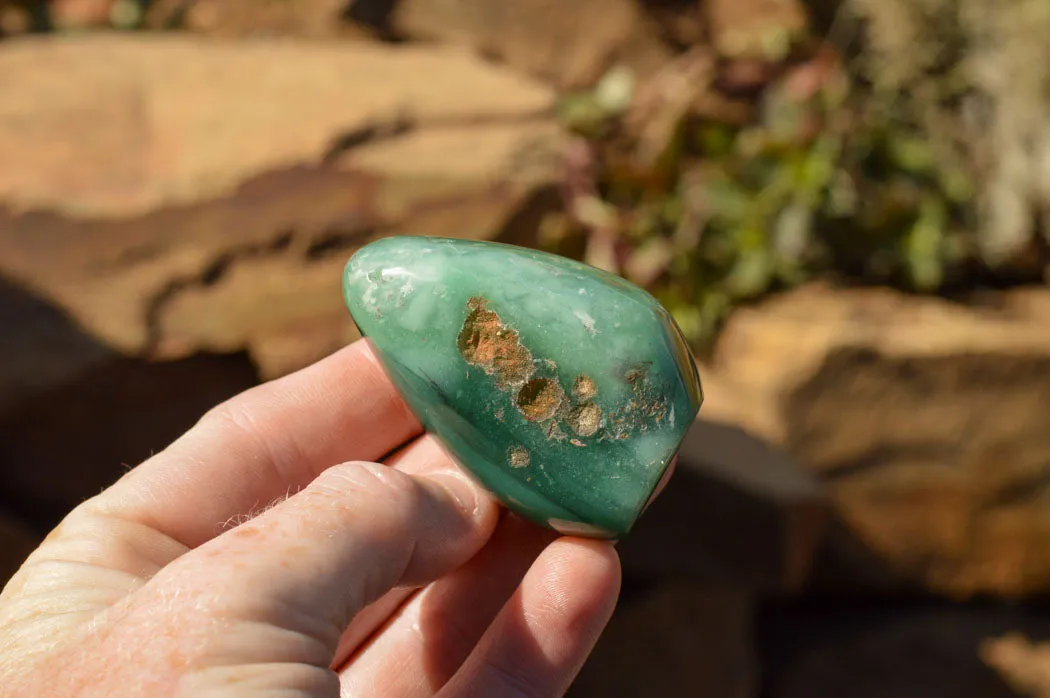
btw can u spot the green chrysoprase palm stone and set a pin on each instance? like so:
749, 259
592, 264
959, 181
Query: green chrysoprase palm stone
563, 389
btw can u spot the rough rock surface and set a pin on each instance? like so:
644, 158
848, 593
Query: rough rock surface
176, 229
187, 119
755, 29
927, 420
684, 622
1023, 664
851, 648
727, 480
68, 442
238, 18
171, 207
542, 37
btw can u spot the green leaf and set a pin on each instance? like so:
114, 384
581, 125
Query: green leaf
713, 308
910, 153
751, 275
924, 246
582, 114
690, 320
791, 231
842, 196
957, 185
715, 140
728, 200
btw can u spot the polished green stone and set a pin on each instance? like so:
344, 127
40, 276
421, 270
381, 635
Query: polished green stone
563, 389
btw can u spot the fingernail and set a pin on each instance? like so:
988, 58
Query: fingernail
466, 493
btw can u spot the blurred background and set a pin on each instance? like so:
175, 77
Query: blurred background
845, 203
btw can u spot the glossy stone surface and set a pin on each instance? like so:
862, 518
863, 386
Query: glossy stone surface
563, 389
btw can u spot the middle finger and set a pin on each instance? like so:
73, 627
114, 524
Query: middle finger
419, 457
430, 636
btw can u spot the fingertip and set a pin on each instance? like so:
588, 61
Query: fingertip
471, 498
544, 634
581, 577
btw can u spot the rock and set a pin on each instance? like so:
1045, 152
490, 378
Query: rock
76, 414
676, 639
205, 196
755, 29
727, 480
186, 119
239, 18
541, 37
64, 444
79, 14
905, 648
1024, 664
682, 22
40, 346
14, 19
926, 419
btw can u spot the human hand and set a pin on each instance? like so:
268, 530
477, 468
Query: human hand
242, 560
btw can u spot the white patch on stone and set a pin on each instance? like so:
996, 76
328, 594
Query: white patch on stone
587, 320
368, 298
418, 312
405, 292
650, 448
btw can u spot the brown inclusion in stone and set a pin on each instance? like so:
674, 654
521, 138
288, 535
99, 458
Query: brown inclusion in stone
583, 388
485, 342
518, 456
585, 419
539, 399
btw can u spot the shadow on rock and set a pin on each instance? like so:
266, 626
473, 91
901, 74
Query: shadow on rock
74, 415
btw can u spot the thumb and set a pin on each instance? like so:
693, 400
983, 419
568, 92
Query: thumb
285, 585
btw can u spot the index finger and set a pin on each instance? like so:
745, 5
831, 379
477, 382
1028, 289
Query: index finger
264, 444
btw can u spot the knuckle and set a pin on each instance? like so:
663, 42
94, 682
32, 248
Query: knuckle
377, 484
231, 413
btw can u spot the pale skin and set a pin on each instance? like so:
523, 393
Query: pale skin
275, 550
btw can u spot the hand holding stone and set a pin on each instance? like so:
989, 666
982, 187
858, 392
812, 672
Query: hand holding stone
267, 553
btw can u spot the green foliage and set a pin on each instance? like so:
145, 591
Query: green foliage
828, 179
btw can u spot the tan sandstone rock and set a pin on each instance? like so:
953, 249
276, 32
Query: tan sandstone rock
757, 29
205, 196
926, 419
567, 44
186, 119
238, 18
1024, 664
